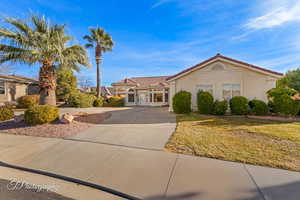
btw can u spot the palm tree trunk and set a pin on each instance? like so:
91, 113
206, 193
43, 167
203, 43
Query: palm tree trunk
98, 80
98, 58
47, 83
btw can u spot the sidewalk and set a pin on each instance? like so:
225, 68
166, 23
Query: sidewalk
150, 174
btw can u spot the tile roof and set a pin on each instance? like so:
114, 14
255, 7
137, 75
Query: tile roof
229, 59
19, 78
144, 82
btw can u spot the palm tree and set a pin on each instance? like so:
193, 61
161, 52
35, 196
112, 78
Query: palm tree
102, 42
39, 42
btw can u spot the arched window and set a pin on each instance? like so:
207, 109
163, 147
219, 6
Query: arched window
131, 96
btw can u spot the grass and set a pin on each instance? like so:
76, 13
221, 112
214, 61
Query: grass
259, 142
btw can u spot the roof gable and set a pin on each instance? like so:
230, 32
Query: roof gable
220, 57
144, 82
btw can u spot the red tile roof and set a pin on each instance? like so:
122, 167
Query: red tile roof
144, 82
226, 58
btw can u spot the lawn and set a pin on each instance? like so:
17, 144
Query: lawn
259, 142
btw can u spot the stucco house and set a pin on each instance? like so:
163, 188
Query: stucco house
150, 91
222, 76
12, 87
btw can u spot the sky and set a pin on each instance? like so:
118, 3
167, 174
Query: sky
163, 37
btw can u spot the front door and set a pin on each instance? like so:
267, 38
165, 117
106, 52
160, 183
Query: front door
142, 98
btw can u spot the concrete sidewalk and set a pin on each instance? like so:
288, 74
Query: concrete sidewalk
150, 174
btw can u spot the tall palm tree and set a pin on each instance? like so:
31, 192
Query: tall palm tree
102, 42
39, 42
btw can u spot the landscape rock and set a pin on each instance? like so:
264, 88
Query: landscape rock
67, 118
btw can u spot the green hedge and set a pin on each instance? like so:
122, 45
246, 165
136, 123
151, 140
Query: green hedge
205, 102
6, 113
258, 107
285, 105
239, 105
220, 107
81, 100
28, 101
98, 102
41, 114
115, 101
182, 102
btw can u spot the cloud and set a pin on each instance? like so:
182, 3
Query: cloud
161, 2
276, 13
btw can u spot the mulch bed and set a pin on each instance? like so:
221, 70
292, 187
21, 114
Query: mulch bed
55, 129
275, 118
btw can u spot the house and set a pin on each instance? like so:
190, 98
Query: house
224, 78
12, 87
151, 91
106, 92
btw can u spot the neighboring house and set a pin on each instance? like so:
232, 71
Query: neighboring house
12, 87
152, 91
224, 78
105, 91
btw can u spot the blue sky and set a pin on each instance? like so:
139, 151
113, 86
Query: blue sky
163, 37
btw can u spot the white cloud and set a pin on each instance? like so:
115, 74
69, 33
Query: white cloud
276, 13
161, 2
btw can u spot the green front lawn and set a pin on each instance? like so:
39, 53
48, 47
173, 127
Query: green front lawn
259, 142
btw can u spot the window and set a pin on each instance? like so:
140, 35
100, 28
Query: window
2, 87
231, 90
131, 96
217, 67
166, 96
205, 88
158, 97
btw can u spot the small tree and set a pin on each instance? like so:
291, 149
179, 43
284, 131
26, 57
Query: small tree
291, 80
66, 83
205, 102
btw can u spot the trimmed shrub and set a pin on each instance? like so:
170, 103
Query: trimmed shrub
285, 105
182, 102
220, 107
6, 113
239, 105
28, 101
41, 114
258, 107
98, 102
115, 101
81, 100
205, 102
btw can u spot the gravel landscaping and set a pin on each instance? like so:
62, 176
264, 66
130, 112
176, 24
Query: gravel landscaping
55, 129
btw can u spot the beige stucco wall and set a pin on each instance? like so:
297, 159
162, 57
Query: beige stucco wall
13, 89
253, 84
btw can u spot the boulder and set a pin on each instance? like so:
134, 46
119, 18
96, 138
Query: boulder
19, 118
67, 118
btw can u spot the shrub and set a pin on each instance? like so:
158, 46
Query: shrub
258, 107
81, 100
220, 107
6, 113
239, 105
41, 114
28, 101
285, 105
115, 101
182, 102
205, 102
98, 102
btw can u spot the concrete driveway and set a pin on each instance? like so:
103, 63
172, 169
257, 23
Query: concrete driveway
139, 127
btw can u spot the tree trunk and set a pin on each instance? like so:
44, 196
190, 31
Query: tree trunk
98, 81
98, 59
47, 83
